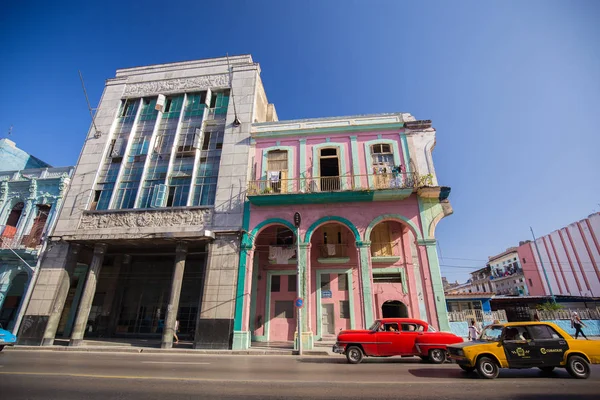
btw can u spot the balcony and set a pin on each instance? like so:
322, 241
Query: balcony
333, 254
385, 253
8, 240
347, 188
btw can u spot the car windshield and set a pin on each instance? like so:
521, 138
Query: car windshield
491, 333
374, 326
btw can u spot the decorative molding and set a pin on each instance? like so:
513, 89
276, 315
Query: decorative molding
176, 85
146, 219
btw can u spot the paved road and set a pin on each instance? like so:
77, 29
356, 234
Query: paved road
71, 375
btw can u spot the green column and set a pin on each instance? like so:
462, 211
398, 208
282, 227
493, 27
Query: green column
303, 261
436, 283
302, 161
364, 249
241, 337
355, 161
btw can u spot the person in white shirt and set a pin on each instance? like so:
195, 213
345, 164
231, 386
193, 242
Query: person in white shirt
473, 331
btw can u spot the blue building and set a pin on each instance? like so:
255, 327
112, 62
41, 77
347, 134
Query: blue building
30, 196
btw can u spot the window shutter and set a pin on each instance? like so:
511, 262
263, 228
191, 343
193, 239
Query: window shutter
118, 148
159, 195
198, 138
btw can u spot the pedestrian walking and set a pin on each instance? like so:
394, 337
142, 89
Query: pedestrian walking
577, 323
473, 331
176, 330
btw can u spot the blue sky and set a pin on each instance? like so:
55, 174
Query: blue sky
512, 88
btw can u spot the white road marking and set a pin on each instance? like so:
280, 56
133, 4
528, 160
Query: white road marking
174, 362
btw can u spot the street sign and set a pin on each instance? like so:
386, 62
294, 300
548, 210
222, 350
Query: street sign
299, 302
297, 219
326, 294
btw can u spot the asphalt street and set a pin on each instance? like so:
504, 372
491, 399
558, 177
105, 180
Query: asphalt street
73, 375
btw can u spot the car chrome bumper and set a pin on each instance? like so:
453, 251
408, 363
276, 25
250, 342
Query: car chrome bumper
338, 349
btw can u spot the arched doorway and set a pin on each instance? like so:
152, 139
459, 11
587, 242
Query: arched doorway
394, 309
14, 296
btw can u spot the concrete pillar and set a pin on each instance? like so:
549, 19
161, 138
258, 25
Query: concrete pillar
436, 283
364, 251
173, 307
85, 304
115, 306
303, 290
64, 283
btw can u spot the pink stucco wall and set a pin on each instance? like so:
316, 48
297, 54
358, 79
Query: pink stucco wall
311, 141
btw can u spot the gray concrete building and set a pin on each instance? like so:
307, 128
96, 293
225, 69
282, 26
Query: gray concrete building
150, 229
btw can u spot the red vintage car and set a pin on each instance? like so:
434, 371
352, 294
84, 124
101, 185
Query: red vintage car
395, 337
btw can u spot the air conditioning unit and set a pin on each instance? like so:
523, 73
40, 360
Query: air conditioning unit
160, 102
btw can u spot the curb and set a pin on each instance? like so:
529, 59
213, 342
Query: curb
134, 350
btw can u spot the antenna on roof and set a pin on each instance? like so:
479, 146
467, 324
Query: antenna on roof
236, 121
97, 133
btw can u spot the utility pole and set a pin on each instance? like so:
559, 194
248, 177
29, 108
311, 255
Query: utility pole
300, 300
542, 264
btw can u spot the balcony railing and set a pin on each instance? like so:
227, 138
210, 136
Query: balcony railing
317, 184
333, 250
8, 240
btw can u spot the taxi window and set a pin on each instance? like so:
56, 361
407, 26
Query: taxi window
541, 332
409, 328
516, 333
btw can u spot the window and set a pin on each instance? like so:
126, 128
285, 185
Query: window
530, 282
391, 327
344, 309
342, 282
393, 277
291, 283
381, 239
275, 283
284, 309
277, 169
543, 332
410, 328
516, 333
383, 159
325, 282
524, 260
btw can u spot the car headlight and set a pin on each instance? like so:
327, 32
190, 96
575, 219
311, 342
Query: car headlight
460, 352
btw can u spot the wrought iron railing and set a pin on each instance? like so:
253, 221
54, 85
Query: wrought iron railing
320, 184
333, 250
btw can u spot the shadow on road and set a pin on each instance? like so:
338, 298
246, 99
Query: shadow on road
504, 374
367, 360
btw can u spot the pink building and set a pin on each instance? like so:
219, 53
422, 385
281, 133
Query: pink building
571, 258
368, 196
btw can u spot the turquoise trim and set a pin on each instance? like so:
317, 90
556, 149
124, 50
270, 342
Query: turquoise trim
271, 221
348, 272
261, 338
268, 298
406, 152
280, 199
389, 217
241, 281
355, 161
342, 160
385, 259
241, 340
323, 220
369, 158
402, 271
290, 162
334, 260
253, 296
342, 129
302, 158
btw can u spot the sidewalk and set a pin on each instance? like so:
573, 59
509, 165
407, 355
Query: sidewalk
153, 347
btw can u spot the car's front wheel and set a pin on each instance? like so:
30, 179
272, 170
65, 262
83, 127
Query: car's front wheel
487, 368
437, 356
467, 369
578, 367
354, 354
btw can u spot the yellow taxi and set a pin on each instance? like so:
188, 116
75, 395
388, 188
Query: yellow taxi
526, 345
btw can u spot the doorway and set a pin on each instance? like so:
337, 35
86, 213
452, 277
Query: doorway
329, 170
12, 301
394, 309
327, 319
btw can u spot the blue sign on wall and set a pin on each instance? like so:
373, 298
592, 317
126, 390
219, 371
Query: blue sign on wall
326, 294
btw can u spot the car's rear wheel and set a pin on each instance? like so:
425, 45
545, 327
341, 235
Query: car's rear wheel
467, 369
578, 367
354, 354
437, 356
487, 368
547, 369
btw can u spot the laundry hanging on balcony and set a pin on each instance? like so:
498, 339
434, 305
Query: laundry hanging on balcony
281, 255
273, 176
331, 249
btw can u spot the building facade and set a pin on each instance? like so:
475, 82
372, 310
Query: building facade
506, 274
29, 202
568, 262
150, 229
369, 201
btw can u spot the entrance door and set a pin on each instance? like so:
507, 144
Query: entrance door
329, 170
327, 319
519, 349
549, 343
